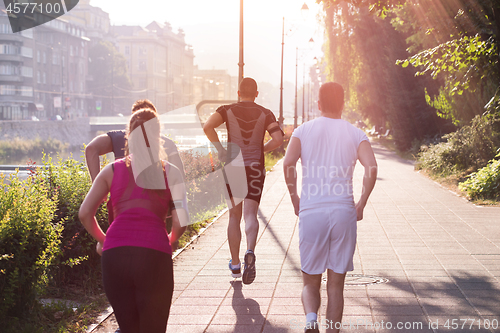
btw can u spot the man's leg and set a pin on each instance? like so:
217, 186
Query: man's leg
335, 307
311, 297
234, 233
251, 208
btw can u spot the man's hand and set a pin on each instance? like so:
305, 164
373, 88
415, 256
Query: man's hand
296, 203
359, 210
174, 245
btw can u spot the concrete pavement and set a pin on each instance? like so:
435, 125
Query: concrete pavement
426, 260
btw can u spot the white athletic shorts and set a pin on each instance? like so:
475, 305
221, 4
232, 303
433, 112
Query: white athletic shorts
327, 239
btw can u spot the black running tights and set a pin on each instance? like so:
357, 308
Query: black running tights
139, 283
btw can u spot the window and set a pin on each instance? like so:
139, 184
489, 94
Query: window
9, 69
38, 56
142, 65
27, 71
27, 91
8, 49
27, 33
5, 29
127, 50
44, 78
7, 90
38, 77
26, 52
44, 57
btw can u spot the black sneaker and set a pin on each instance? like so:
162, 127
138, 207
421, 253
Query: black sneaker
312, 327
249, 272
235, 272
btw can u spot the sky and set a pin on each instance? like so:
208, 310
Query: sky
212, 28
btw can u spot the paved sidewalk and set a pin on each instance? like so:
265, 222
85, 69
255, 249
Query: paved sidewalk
435, 258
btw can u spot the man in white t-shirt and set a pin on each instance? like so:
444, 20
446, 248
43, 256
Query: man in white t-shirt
328, 148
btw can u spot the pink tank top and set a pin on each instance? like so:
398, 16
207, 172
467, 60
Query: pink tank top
139, 213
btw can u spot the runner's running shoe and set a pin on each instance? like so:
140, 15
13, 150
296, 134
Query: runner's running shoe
249, 272
235, 272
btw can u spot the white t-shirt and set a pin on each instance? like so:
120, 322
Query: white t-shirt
329, 151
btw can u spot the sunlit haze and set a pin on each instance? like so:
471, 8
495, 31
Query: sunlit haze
212, 28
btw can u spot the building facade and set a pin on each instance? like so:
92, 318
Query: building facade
160, 64
42, 70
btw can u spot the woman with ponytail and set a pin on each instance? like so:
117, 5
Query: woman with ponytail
136, 251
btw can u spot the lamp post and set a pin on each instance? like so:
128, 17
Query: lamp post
281, 119
311, 42
304, 10
241, 63
303, 94
296, 70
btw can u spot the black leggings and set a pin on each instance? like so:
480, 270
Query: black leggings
139, 283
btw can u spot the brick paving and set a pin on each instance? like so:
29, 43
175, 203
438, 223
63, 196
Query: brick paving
438, 253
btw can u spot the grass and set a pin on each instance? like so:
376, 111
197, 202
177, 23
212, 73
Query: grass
270, 159
205, 219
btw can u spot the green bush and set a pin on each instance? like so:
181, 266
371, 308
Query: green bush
466, 150
485, 183
29, 244
69, 180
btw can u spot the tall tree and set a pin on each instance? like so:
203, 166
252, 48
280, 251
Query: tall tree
361, 54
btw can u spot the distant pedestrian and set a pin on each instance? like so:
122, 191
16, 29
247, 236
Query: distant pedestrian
136, 251
246, 123
328, 148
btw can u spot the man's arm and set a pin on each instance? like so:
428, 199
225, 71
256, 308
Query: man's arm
289, 167
276, 137
214, 121
100, 145
367, 159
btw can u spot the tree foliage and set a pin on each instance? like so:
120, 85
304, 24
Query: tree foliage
361, 53
452, 42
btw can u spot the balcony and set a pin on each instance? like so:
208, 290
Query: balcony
11, 57
15, 99
11, 78
11, 37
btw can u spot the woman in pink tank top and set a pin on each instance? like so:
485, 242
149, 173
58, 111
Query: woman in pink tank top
136, 251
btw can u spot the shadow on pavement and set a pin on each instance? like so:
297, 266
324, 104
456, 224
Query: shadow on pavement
385, 153
467, 300
282, 247
248, 312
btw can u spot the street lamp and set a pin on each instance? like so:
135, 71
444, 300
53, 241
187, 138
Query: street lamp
280, 119
311, 42
304, 11
241, 63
